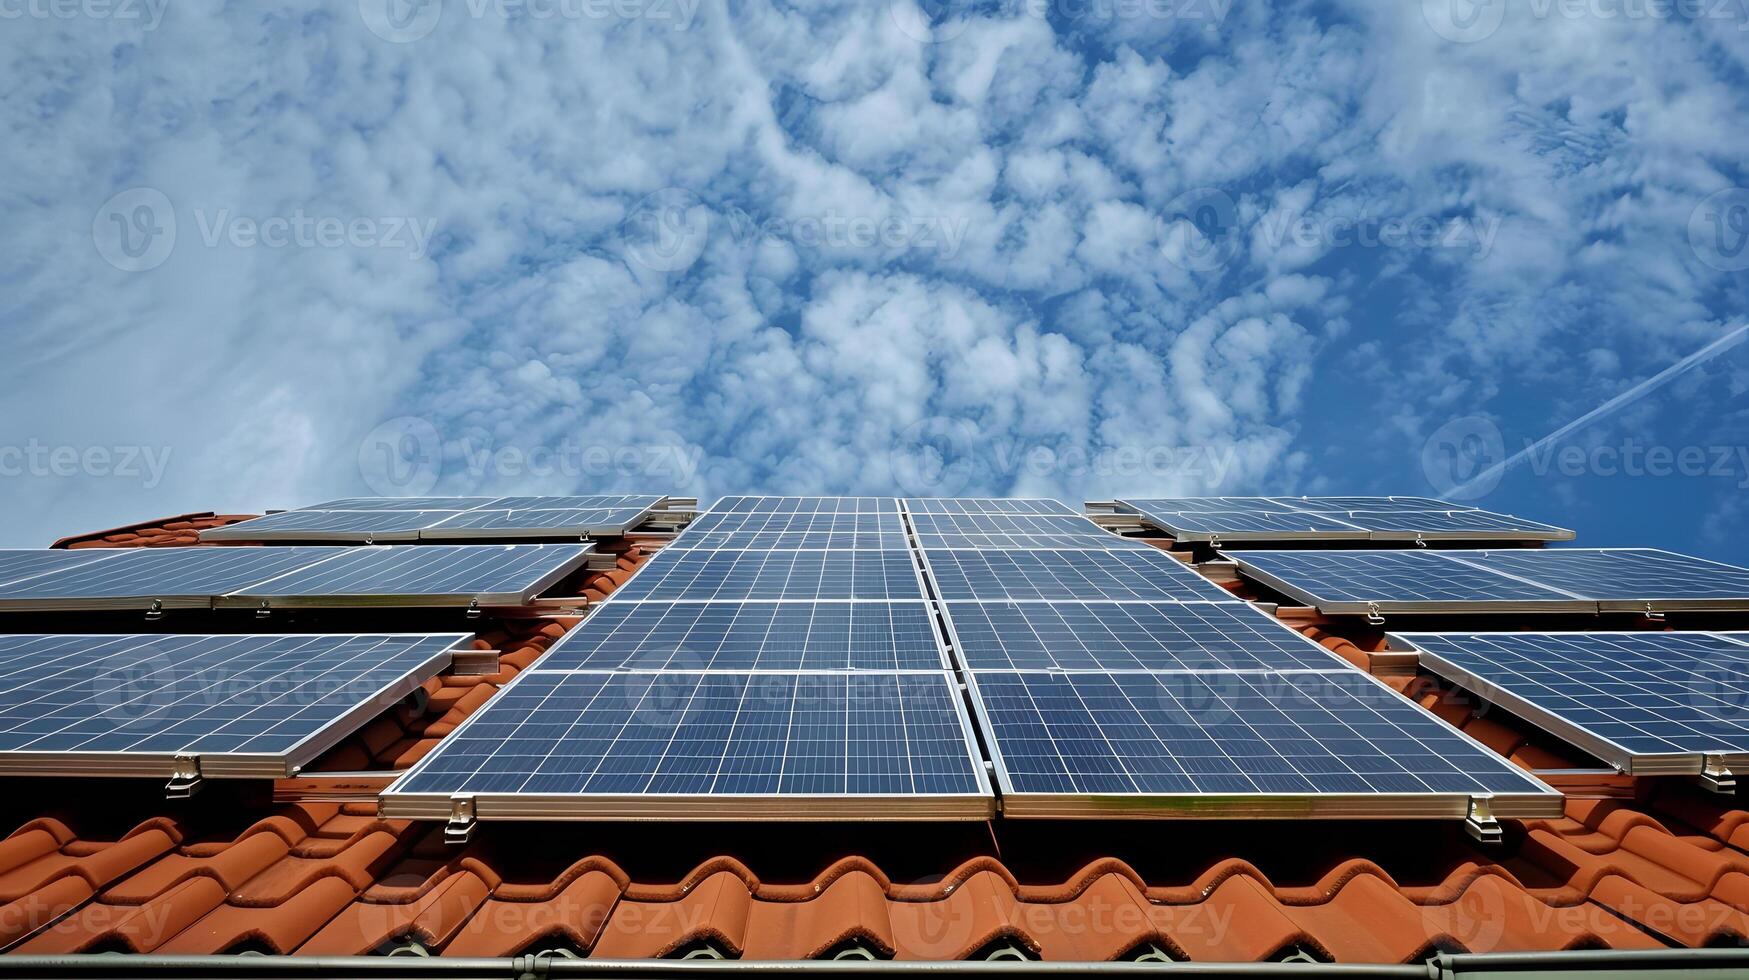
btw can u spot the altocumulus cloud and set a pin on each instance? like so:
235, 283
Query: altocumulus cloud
704, 247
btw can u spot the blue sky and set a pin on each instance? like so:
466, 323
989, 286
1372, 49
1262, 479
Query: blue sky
260, 254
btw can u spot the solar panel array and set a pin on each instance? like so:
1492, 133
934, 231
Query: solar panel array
401, 519
1111, 680
206, 578
1647, 702
175, 705
1555, 580
777, 660
1220, 520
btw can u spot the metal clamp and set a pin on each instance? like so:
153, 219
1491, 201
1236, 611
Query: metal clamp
460, 828
1716, 777
265, 610
1481, 823
1373, 616
184, 778
1653, 614
1215, 541
474, 609
155, 611
1420, 542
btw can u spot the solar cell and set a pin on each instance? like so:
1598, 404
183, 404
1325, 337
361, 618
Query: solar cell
17, 565
752, 636
1124, 636
1083, 574
423, 575
169, 578
703, 575
677, 745
1352, 582
477, 524
1623, 579
1648, 702
1230, 744
240, 706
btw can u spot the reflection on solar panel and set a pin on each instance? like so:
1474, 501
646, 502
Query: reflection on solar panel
1514, 580
1117, 636
752, 636
1236, 519
23, 563
1655, 703
1229, 744
770, 531
776, 575
386, 519
168, 578
677, 745
1086, 574
477, 524
1353, 582
238, 706
987, 505
806, 505
427, 575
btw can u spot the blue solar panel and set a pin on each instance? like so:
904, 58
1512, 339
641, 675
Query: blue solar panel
730, 575
1475, 524
776, 532
1397, 581
1623, 578
1086, 574
1646, 702
331, 525
999, 531
1067, 742
1117, 636
1276, 526
533, 523
244, 705
806, 505
492, 574
1234, 519
695, 744
20, 564
1376, 505
987, 505
174, 577
400, 503
752, 636
597, 501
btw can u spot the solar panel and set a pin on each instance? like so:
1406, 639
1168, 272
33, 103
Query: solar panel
1235, 745
1083, 574
1376, 505
689, 746
752, 636
166, 578
1650, 703
1355, 582
478, 524
1624, 579
1199, 505
978, 531
805, 505
331, 525
778, 532
426, 504
701, 575
178, 706
987, 505
1273, 526
17, 565
1122, 636
597, 501
1468, 524
425, 575
1219, 520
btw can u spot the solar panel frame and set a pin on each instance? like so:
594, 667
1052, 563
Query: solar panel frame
1523, 696
157, 578
1420, 573
1071, 802
538, 568
415, 796
426, 656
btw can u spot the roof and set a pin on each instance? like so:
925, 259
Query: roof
92, 865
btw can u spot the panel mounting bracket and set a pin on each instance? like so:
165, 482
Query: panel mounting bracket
155, 611
1420, 542
460, 828
184, 778
1373, 616
1481, 823
474, 609
265, 610
1716, 777
1653, 614
1215, 541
